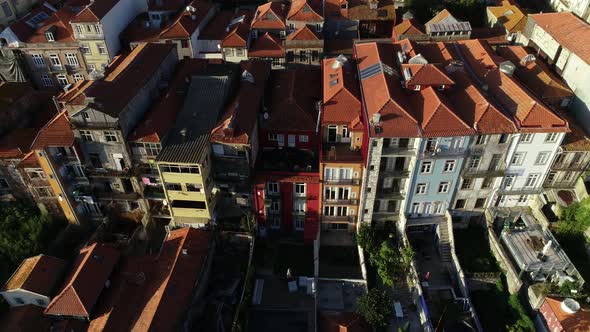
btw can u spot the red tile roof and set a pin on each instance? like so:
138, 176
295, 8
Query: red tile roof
303, 33
341, 98
59, 22
568, 30
408, 27
239, 33
383, 94
185, 25
127, 76
26, 318
435, 116
57, 132
152, 292
294, 95
427, 75
217, 28
266, 46
531, 114
136, 31
440, 16
37, 274
162, 115
95, 11
30, 160
237, 124
342, 322
306, 11
24, 31
271, 15
90, 271
557, 318
17, 143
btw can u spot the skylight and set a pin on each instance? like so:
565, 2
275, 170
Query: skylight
371, 71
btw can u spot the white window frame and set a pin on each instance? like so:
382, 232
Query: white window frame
38, 60
474, 162
481, 139
101, 49
421, 188
542, 158
299, 189
532, 180
443, 187
426, 167
291, 141
72, 59
449, 166
275, 206
62, 79
78, 77
299, 207
303, 138
86, 136
508, 181
467, 184
551, 137
85, 48
415, 208
517, 158
523, 198
110, 136
281, 139
439, 207
54, 60
272, 187
299, 223
526, 138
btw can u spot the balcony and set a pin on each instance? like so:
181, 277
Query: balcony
484, 173
560, 184
159, 210
568, 166
39, 182
107, 173
391, 193
154, 192
436, 152
288, 160
116, 196
340, 153
354, 182
520, 191
341, 201
66, 158
399, 151
95, 125
350, 219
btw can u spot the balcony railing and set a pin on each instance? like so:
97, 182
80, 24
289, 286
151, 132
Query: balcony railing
568, 166
442, 153
396, 173
520, 191
341, 201
342, 181
95, 125
391, 193
404, 151
340, 152
338, 218
560, 184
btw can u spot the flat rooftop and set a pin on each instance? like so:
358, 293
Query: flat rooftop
339, 295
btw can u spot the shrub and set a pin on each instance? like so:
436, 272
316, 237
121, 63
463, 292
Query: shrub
375, 307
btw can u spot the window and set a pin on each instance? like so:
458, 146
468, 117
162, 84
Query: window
84, 48
460, 204
480, 139
417, 87
526, 138
291, 140
173, 186
155, 17
551, 137
523, 198
503, 139
19, 300
449, 166
54, 60
487, 183
426, 167
86, 135
79, 29
480, 203
299, 224
542, 158
62, 80
318, 27
467, 184
6, 9
421, 189
474, 162
46, 80
110, 136
302, 55
240, 52
345, 132
72, 59
277, 61
272, 188
97, 28
517, 158
299, 207
531, 180
303, 138
78, 77
508, 181
273, 137
439, 207
300, 188
415, 208
184, 43
49, 36
194, 187
38, 60
43, 191
443, 187
102, 49
275, 206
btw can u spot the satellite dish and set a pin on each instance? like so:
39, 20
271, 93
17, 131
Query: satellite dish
265, 115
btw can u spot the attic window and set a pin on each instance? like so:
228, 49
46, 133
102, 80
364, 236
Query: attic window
49, 36
40, 17
378, 129
333, 82
306, 9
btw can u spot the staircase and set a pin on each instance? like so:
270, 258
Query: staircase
444, 243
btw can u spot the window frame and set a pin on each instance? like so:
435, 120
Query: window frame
423, 167
449, 166
444, 187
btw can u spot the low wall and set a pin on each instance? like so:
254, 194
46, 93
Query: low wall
514, 282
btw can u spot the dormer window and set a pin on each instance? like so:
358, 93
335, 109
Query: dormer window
417, 87
50, 34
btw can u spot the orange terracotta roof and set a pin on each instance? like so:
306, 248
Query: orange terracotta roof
577, 322
427, 74
58, 132
184, 25
535, 74
238, 34
26, 318
333, 9
22, 30
237, 124
360, 10
37, 274
30, 160
94, 11
162, 115
266, 46
126, 77
382, 93
90, 271
568, 30
341, 99
435, 116
152, 292
510, 15
408, 27
342, 322
303, 33
294, 95
271, 15
440, 16
305, 10
531, 114
59, 24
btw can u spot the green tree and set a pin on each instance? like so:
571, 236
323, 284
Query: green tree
375, 307
392, 262
367, 239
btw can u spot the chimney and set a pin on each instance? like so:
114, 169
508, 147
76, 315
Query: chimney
507, 68
376, 118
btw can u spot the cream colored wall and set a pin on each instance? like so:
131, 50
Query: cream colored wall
95, 58
26, 296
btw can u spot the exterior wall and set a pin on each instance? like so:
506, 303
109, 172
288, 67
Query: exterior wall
59, 49
293, 55
312, 143
116, 20
351, 202
566, 169
16, 184
232, 54
517, 193
578, 7
451, 149
313, 26
26, 297
17, 9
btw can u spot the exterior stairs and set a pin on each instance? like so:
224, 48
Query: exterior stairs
444, 243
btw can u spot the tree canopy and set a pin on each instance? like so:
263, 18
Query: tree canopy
375, 307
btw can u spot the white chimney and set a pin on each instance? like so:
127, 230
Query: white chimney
376, 118
570, 306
